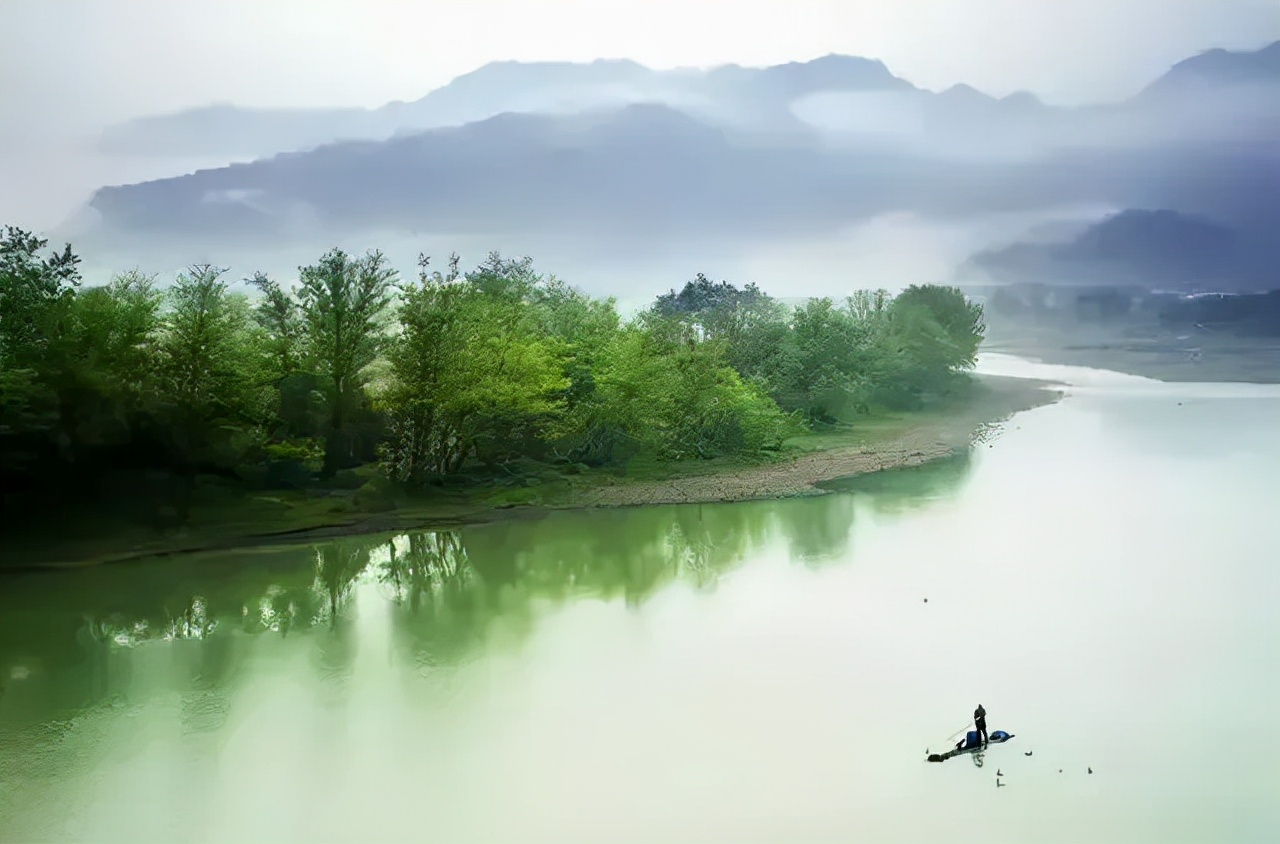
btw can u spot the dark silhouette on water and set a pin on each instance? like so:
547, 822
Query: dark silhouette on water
980, 723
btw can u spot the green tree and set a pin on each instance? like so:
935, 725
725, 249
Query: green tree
301, 410
937, 331
104, 359
280, 318
210, 361
752, 327
831, 349
961, 321
579, 328
676, 396
470, 374
344, 301
202, 359
35, 295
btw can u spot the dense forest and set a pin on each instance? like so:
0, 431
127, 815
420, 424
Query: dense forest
135, 388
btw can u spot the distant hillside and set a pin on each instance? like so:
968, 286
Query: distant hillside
1217, 69
613, 151
758, 99
1159, 249
734, 95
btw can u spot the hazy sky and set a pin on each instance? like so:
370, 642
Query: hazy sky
80, 63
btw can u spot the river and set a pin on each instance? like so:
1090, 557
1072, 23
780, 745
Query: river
1103, 576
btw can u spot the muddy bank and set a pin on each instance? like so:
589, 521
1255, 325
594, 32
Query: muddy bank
919, 441
874, 445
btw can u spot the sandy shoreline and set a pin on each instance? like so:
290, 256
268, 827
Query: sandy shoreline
918, 439
934, 439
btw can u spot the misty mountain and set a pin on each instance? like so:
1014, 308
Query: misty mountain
802, 148
1159, 249
730, 94
641, 167
1218, 69
839, 94
649, 167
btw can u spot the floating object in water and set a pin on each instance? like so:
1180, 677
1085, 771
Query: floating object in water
999, 773
1028, 753
926, 600
972, 744
1091, 770
999, 784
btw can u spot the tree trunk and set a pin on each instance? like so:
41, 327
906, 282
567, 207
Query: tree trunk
333, 438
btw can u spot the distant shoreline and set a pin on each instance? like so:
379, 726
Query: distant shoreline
904, 440
1207, 359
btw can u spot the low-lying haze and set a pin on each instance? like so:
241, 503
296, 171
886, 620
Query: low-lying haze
856, 173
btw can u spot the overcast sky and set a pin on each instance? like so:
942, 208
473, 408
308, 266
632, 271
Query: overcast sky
80, 63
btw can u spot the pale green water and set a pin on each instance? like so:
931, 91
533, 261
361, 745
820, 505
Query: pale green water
1104, 578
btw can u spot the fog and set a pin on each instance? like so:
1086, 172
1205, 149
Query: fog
117, 61
761, 175
889, 250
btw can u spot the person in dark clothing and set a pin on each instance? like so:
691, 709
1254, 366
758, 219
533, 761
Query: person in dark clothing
980, 723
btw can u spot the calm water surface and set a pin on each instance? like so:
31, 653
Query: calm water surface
1104, 576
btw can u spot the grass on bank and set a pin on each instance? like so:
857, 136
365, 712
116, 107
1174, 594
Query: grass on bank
360, 500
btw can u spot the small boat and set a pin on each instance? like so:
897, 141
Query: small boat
972, 743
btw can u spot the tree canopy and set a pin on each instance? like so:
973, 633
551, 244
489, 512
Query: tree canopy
451, 373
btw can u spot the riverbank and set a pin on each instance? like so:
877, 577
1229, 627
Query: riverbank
874, 444
888, 443
1149, 353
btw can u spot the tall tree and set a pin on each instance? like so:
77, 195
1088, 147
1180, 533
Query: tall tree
199, 344
110, 344
278, 315
472, 375
344, 305
961, 321
35, 296
29, 285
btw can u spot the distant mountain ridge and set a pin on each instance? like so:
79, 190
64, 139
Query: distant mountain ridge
728, 92
496, 88
738, 152
1146, 248
1220, 67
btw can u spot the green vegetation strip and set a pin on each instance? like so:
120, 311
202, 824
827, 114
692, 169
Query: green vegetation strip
137, 419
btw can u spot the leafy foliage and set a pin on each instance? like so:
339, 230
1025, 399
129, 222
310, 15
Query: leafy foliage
450, 374
343, 303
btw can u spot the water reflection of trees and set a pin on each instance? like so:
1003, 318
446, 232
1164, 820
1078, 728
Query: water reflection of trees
440, 601
338, 564
447, 588
903, 490
817, 529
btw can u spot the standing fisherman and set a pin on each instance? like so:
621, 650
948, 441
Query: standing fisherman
980, 723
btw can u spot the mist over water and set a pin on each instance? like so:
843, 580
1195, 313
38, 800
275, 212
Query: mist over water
888, 250
1099, 576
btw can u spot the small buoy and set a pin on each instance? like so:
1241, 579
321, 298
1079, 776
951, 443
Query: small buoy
1091, 770
926, 600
